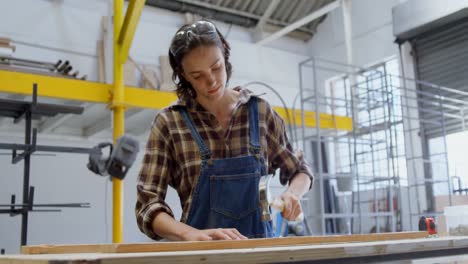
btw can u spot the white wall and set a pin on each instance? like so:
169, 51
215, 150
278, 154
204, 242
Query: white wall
53, 30
372, 37
49, 30
371, 28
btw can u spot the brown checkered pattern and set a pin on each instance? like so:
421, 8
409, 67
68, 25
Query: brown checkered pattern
172, 156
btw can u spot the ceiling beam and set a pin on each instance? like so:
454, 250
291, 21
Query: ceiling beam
245, 4
271, 8
301, 8
236, 17
316, 14
223, 7
286, 12
224, 4
253, 6
237, 5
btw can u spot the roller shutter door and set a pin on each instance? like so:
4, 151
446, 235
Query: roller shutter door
441, 57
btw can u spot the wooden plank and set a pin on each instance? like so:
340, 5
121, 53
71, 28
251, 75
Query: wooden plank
214, 245
360, 252
130, 74
150, 77
101, 60
145, 75
5, 40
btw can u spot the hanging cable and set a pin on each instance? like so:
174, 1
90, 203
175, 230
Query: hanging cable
294, 117
288, 118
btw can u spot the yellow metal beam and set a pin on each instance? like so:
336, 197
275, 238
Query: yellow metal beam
118, 97
132, 16
54, 87
85, 91
327, 121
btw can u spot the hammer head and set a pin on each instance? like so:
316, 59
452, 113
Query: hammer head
264, 196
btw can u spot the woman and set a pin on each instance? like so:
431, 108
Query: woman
212, 146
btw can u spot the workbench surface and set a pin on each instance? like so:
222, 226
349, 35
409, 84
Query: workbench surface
349, 252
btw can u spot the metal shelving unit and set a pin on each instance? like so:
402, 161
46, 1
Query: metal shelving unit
27, 111
389, 172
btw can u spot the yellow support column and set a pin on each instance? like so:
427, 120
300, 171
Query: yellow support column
117, 105
132, 16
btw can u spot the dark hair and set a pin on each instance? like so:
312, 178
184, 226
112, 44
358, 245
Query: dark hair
186, 39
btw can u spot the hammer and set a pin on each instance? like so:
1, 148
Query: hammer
265, 196
266, 201
279, 205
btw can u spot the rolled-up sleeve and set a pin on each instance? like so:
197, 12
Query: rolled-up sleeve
153, 178
280, 151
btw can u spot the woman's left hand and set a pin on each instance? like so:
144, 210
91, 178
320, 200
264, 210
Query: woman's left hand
292, 206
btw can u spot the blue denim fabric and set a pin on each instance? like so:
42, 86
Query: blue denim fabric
226, 195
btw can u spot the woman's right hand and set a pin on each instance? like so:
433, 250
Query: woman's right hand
166, 226
213, 234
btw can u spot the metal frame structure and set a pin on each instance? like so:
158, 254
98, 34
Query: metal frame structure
19, 110
431, 167
381, 155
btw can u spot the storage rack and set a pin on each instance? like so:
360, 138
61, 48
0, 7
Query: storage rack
19, 110
378, 156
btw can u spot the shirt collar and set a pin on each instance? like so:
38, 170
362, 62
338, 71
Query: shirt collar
193, 106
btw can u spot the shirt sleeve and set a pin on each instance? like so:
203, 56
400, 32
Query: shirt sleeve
153, 178
280, 151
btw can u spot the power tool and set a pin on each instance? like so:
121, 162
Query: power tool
427, 224
120, 158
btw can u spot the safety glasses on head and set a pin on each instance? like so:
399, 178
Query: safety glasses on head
198, 28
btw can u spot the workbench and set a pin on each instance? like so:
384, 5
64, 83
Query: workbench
332, 249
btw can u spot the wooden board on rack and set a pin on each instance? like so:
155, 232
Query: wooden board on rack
214, 245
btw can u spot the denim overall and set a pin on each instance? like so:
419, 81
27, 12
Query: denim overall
226, 195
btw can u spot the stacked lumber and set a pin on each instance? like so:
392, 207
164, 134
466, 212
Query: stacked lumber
6, 49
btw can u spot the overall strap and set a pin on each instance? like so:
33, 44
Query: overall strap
204, 151
254, 130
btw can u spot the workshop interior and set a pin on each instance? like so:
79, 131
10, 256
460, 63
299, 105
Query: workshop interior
373, 92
